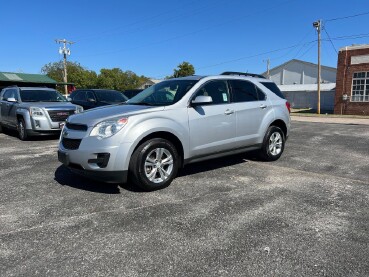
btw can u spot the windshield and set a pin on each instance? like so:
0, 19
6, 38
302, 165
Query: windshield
41, 96
164, 93
110, 96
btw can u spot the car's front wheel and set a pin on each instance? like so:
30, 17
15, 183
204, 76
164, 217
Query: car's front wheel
273, 144
154, 164
22, 133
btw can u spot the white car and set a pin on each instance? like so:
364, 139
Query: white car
176, 122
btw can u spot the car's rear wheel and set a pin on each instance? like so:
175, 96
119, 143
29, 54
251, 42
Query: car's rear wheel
273, 144
154, 164
22, 133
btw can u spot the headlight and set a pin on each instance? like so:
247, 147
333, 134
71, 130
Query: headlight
79, 109
108, 128
36, 112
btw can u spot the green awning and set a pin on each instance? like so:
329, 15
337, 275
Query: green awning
26, 78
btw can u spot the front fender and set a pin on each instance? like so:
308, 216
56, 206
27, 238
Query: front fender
22, 112
138, 131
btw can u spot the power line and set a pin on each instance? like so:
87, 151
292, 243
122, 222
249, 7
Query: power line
345, 17
248, 57
308, 50
330, 40
191, 33
351, 37
149, 23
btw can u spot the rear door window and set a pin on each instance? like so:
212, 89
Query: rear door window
245, 91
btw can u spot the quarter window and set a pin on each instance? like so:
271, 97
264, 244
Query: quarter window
244, 91
360, 87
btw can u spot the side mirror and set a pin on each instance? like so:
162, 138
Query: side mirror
91, 100
202, 100
11, 99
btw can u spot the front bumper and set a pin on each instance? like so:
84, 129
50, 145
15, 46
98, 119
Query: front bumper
118, 176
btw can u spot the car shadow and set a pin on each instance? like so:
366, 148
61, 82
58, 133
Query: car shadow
218, 163
14, 134
67, 178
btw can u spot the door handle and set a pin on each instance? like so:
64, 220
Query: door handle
228, 112
263, 106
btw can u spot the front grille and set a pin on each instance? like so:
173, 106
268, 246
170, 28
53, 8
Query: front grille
78, 127
71, 144
59, 115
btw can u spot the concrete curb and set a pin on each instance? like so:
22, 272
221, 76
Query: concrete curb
337, 120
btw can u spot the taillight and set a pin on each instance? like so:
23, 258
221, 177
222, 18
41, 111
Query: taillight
288, 105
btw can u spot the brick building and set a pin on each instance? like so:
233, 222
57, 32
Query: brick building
352, 83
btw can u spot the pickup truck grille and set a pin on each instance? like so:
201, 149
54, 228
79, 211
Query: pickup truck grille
71, 144
59, 115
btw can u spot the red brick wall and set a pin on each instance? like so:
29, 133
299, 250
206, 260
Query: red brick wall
344, 83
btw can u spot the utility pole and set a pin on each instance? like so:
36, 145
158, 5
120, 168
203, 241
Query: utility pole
65, 51
318, 25
268, 68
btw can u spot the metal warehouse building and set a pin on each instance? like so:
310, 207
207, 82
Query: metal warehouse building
298, 81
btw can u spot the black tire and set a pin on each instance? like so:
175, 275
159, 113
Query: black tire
146, 169
273, 144
21, 128
1, 128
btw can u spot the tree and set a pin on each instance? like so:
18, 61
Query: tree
80, 76
184, 69
119, 80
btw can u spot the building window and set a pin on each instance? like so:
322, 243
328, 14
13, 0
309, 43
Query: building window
360, 87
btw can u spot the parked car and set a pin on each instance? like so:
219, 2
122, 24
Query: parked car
174, 123
92, 98
34, 111
129, 93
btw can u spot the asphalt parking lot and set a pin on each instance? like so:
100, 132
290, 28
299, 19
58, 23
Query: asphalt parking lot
305, 215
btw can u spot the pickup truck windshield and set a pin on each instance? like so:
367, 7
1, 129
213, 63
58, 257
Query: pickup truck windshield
41, 96
163, 94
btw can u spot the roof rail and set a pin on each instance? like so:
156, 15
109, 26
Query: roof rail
243, 74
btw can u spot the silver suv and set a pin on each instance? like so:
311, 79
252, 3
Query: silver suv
174, 123
34, 110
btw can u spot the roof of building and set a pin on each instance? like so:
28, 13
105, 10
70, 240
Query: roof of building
299, 61
25, 78
307, 87
354, 47
152, 81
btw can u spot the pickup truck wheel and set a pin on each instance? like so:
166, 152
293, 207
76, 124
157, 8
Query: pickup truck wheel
154, 164
273, 144
22, 129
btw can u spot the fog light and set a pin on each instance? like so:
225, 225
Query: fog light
101, 160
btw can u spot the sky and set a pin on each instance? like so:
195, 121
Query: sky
152, 38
